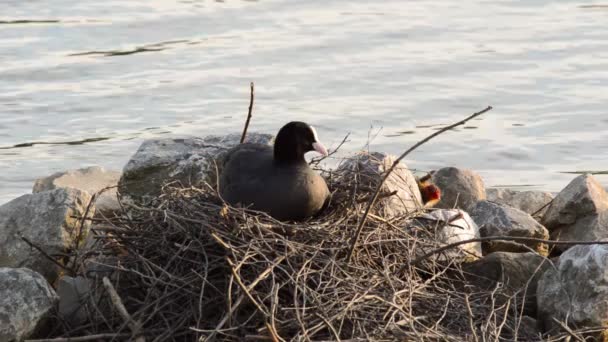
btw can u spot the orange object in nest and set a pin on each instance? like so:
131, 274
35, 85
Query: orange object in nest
429, 191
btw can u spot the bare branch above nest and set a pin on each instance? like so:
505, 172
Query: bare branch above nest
248, 113
393, 166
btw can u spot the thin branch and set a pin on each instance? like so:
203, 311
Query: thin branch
390, 170
46, 255
115, 298
248, 114
81, 338
317, 160
568, 330
244, 287
541, 208
503, 238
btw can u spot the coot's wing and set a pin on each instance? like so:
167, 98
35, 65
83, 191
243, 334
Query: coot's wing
241, 150
244, 172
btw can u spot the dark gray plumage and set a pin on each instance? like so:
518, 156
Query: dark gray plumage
276, 180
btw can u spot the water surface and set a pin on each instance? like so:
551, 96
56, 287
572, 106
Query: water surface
84, 82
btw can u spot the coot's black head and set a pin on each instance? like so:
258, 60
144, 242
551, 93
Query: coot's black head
294, 140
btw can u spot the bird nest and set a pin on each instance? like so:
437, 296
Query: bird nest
188, 267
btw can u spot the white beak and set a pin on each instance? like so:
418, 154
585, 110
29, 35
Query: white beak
320, 148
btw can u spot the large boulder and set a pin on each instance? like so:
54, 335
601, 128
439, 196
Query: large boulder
50, 220
369, 168
518, 274
446, 226
578, 212
26, 301
576, 290
91, 179
500, 220
189, 161
534, 203
460, 188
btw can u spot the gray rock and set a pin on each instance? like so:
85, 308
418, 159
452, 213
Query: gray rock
447, 226
370, 168
584, 196
578, 212
499, 220
189, 161
74, 293
47, 219
532, 202
460, 188
26, 301
588, 228
91, 179
517, 272
576, 292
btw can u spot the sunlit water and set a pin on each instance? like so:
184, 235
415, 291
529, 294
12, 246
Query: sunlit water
92, 79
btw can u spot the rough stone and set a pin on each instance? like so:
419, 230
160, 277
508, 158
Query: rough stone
189, 161
91, 179
576, 291
26, 301
531, 202
50, 221
460, 188
499, 220
588, 228
578, 212
447, 226
517, 272
582, 197
370, 168
73, 295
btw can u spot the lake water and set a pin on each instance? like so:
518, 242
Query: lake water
84, 82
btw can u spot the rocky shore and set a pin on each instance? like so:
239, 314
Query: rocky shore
561, 285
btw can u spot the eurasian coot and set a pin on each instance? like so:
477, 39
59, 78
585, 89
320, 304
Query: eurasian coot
276, 180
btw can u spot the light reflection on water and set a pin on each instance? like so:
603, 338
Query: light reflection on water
131, 70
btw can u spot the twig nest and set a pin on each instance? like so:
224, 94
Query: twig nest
399, 194
576, 292
500, 220
578, 212
90, 179
47, 219
460, 188
446, 226
26, 301
188, 161
534, 203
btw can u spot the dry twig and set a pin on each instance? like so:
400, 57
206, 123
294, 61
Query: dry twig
248, 113
115, 298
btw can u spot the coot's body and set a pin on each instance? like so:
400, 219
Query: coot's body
276, 180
